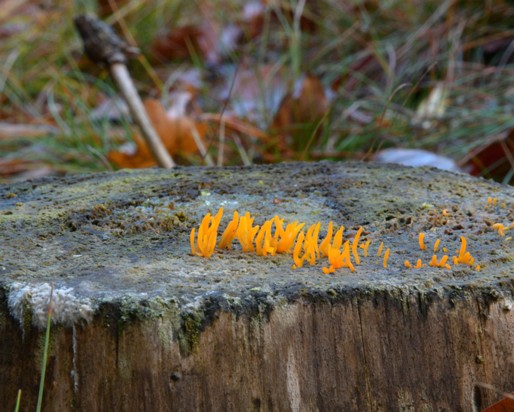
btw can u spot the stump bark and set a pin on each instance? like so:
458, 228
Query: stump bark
141, 324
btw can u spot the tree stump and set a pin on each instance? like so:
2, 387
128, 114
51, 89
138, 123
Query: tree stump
139, 323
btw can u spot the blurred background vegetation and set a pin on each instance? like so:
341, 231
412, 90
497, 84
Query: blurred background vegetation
233, 82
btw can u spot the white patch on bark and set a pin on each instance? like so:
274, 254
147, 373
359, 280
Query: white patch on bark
67, 308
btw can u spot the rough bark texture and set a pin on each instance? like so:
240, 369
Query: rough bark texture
140, 324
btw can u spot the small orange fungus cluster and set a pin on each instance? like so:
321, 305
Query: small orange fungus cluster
441, 263
462, 257
493, 201
501, 228
272, 237
419, 264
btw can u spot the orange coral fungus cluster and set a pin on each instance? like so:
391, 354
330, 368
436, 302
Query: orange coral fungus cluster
272, 237
303, 243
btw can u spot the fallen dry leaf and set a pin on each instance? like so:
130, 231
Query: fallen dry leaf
176, 133
236, 125
495, 159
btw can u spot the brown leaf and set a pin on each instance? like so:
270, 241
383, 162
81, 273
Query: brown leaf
185, 42
176, 133
236, 125
494, 160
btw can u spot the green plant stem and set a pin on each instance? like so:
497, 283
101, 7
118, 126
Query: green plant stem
18, 401
45, 354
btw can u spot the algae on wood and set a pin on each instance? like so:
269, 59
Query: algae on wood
147, 326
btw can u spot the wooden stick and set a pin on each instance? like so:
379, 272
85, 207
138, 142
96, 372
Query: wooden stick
104, 47
124, 82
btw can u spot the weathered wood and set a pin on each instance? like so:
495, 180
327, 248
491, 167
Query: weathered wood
140, 324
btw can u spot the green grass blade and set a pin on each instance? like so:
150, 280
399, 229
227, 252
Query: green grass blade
18, 400
45, 355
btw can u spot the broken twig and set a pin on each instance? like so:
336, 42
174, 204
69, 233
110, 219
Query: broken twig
104, 47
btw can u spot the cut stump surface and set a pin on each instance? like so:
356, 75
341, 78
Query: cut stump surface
139, 323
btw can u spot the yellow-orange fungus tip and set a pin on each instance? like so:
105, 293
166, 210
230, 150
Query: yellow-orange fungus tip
219, 215
436, 245
325, 243
489, 200
263, 240
419, 264
433, 262
246, 232
288, 236
230, 233
445, 250
478, 268
421, 240
386, 256
443, 260
462, 246
365, 247
355, 243
445, 212
495, 200
338, 238
297, 249
407, 264
380, 248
